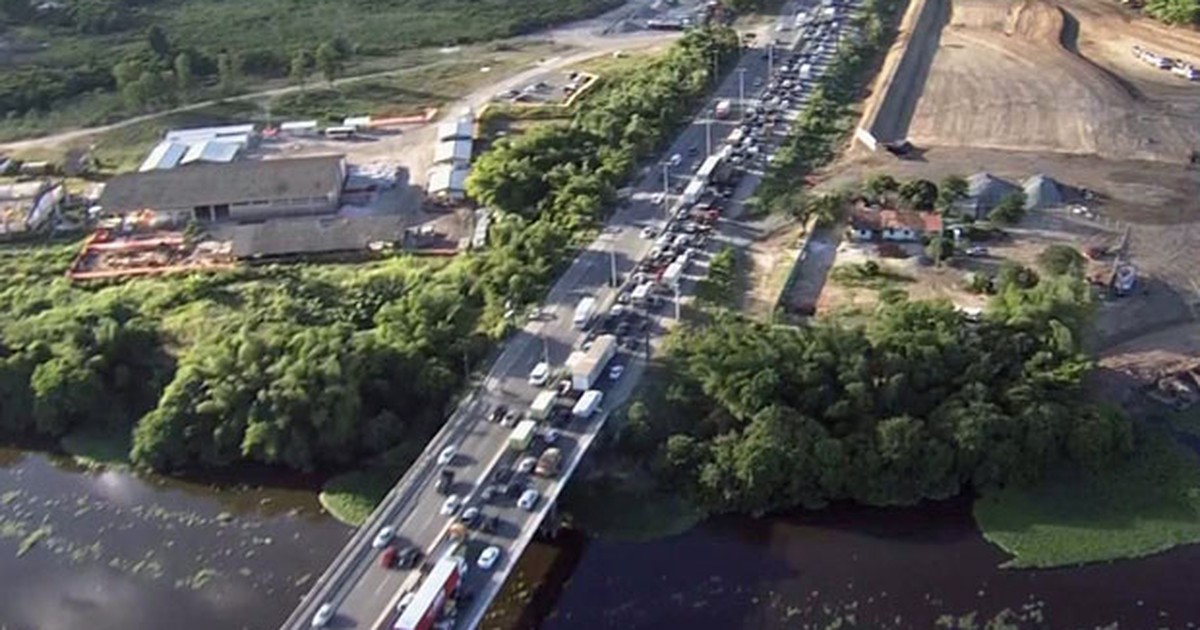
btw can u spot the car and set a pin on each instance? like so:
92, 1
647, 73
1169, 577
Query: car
509, 419
648, 232
324, 614
450, 505
445, 481
694, 149
615, 372
497, 413
383, 537
528, 500
469, 516
526, 464
675, 160
491, 523
447, 455
540, 374
550, 436
657, 198
408, 557
405, 600
977, 251
487, 559
387, 559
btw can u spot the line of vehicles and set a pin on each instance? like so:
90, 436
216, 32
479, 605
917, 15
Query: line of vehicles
1178, 67
573, 393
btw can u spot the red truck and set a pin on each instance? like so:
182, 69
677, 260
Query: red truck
431, 596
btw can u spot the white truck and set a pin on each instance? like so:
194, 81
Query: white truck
641, 293
540, 409
587, 367
672, 274
584, 311
588, 403
522, 435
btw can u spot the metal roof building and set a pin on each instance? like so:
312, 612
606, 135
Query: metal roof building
447, 181
205, 133
234, 190
453, 151
459, 128
218, 151
164, 155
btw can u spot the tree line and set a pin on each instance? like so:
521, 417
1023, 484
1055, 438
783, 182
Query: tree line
922, 402
314, 367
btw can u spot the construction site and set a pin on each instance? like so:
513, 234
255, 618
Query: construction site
1091, 94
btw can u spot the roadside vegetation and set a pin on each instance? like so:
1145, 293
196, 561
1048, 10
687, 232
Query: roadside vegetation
351, 496
322, 366
827, 118
85, 62
919, 403
1146, 505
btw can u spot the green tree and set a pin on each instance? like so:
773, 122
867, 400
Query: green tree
1174, 11
328, 61
1060, 260
919, 194
184, 79
157, 40
879, 185
301, 65
940, 248
953, 189
1011, 208
828, 208
227, 79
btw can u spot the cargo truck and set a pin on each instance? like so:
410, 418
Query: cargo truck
587, 367
584, 312
548, 463
521, 435
588, 403
540, 409
431, 596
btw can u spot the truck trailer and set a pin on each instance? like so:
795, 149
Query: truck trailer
588, 403
584, 312
522, 435
587, 367
431, 597
542, 405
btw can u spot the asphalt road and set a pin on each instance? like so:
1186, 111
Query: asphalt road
365, 593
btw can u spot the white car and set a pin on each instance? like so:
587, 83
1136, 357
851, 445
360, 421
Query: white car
551, 436
488, 558
383, 537
526, 465
540, 374
450, 505
447, 455
405, 601
324, 614
676, 160
528, 500
657, 198
615, 372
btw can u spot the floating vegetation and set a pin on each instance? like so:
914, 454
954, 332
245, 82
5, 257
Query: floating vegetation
32, 539
9, 497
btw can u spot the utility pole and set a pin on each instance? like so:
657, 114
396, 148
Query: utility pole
770, 58
545, 351
707, 137
612, 257
666, 181
741, 90
678, 317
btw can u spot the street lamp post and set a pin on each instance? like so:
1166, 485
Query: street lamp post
741, 90
707, 137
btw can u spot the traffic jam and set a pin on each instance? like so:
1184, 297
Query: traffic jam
568, 397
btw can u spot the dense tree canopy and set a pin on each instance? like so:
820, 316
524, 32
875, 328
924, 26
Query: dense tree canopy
920, 403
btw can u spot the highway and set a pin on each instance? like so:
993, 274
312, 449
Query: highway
364, 593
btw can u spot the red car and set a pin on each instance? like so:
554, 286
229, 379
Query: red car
387, 558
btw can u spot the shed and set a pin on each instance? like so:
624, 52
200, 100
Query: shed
164, 155
213, 151
448, 182
459, 128
1042, 192
300, 127
453, 151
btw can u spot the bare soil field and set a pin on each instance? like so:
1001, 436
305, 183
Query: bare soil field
1056, 76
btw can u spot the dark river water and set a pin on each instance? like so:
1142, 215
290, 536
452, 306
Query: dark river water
81, 549
110, 550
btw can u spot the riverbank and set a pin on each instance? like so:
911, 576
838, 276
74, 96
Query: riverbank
1144, 506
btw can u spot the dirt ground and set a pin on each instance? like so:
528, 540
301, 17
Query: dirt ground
1059, 76
768, 261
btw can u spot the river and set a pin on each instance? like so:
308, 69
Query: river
109, 550
845, 567
116, 550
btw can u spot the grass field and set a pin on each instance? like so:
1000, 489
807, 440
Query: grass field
1146, 506
352, 496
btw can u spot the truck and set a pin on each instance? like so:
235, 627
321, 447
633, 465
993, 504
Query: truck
521, 435
670, 276
722, 108
641, 293
694, 190
587, 367
588, 403
805, 71
431, 596
542, 404
548, 463
584, 311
